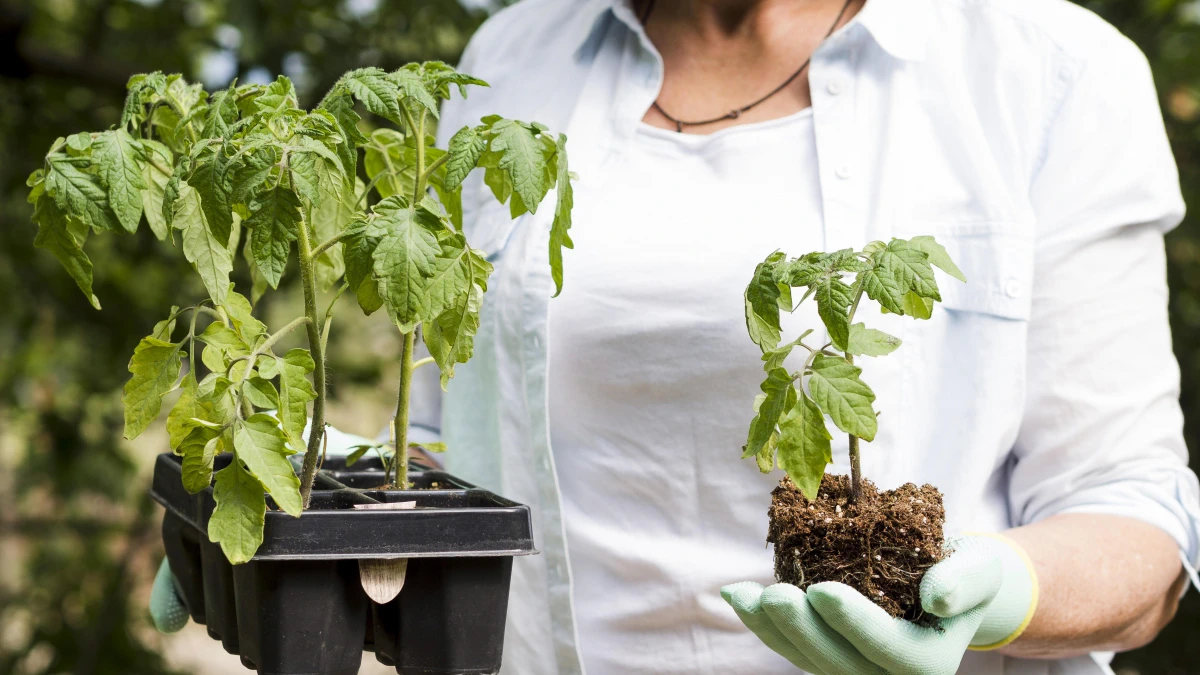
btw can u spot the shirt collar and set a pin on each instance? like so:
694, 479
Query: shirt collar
900, 27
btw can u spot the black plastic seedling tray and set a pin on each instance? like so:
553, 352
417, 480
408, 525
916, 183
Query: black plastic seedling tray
298, 607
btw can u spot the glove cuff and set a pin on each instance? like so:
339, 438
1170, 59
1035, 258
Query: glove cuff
1015, 603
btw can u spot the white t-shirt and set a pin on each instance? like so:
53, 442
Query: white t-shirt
652, 381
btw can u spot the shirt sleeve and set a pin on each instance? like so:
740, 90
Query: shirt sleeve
1102, 430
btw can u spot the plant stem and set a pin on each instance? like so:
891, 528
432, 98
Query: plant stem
434, 166
855, 462
317, 428
423, 362
419, 183
325, 245
400, 457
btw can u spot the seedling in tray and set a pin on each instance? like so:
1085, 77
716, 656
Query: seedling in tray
247, 170
840, 528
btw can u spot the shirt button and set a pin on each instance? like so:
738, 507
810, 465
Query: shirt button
834, 88
1013, 288
843, 171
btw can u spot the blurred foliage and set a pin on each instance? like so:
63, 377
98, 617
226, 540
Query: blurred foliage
66, 477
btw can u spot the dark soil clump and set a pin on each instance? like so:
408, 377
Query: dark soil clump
881, 546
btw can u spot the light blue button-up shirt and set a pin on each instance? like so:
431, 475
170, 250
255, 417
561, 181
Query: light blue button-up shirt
1024, 134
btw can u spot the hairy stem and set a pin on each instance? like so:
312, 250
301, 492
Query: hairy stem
327, 244
400, 457
434, 167
421, 177
317, 428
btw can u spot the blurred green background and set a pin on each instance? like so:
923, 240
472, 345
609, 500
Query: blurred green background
78, 537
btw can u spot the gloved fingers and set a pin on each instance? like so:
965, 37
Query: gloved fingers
745, 598
167, 610
970, 576
790, 611
899, 647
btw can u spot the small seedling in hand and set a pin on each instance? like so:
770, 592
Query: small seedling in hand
789, 428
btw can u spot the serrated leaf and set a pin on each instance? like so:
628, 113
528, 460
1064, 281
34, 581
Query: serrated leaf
777, 388
368, 296
840, 392
119, 160
378, 94
456, 269
465, 148
165, 328
155, 366
774, 358
261, 393
336, 210
450, 337
208, 255
833, 305
870, 342
560, 237
522, 158
156, 173
762, 303
358, 245
385, 156
260, 443
237, 521
339, 104
405, 259
803, 450
198, 449
213, 189
412, 88
80, 195
295, 391
938, 256
280, 95
274, 222
882, 287
186, 407
910, 267
222, 112
56, 236
245, 324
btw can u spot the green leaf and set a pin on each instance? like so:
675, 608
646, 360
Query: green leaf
280, 95
261, 393
186, 408
237, 521
434, 446
165, 328
207, 254
155, 366
295, 391
275, 222
58, 235
79, 142
840, 392
221, 114
774, 358
881, 286
260, 443
405, 259
386, 156
156, 173
368, 296
213, 189
522, 158
465, 148
245, 324
450, 337
81, 195
870, 342
803, 448
358, 246
377, 92
762, 303
339, 104
336, 210
456, 269
119, 159
938, 256
412, 88
910, 267
559, 237
198, 449
777, 388
833, 305
359, 451
916, 306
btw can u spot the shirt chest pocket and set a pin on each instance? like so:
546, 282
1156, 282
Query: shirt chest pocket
997, 260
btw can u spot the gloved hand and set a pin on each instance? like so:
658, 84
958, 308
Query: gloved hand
167, 610
985, 590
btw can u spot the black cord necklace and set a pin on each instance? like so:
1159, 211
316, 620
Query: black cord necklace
737, 112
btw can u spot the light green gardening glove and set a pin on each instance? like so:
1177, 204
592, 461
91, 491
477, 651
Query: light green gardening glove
985, 591
167, 610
